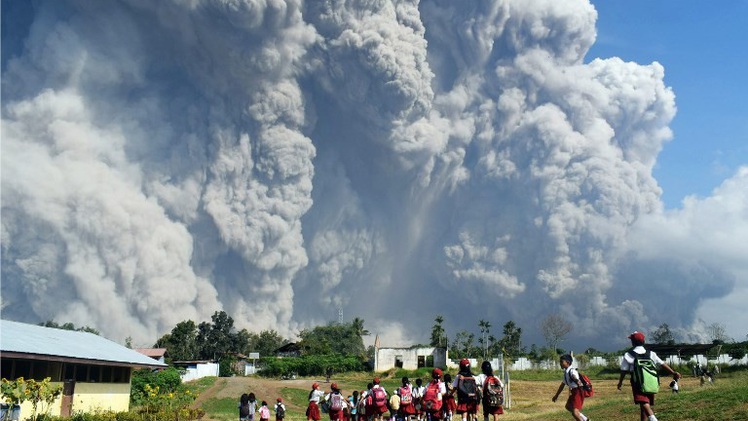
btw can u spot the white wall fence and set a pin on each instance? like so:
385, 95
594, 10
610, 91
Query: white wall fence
673, 360
194, 372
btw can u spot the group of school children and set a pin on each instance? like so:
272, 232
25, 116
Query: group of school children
248, 407
444, 398
440, 399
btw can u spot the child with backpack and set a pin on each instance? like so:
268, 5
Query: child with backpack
493, 392
467, 392
244, 407
449, 404
264, 412
337, 403
573, 380
378, 401
280, 410
432, 402
642, 364
407, 406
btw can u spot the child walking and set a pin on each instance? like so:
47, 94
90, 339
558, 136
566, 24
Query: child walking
264, 412
575, 402
280, 410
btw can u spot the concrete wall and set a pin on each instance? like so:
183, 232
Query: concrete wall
90, 397
385, 358
724, 359
199, 371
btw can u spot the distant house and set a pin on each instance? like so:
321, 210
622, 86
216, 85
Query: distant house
193, 370
291, 349
93, 371
409, 358
158, 354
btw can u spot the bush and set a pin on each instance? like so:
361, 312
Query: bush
311, 365
166, 381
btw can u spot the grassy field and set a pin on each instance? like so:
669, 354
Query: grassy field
531, 392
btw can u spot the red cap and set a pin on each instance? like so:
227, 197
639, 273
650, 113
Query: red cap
464, 362
334, 386
280, 399
637, 336
376, 380
436, 373
315, 385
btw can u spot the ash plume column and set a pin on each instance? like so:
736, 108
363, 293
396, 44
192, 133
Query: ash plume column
396, 159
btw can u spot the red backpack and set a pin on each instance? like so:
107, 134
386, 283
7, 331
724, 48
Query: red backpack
587, 390
406, 397
494, 393
379, 396
432, 400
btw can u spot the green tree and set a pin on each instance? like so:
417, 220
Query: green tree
342, 339
663, 335
217, 338
358, 326
511, 342
69, 326
181, 343
266, 342
463, 345
438, 335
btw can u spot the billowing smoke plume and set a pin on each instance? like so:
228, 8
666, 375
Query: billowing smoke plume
281, 159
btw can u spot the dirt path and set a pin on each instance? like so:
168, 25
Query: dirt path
264, 389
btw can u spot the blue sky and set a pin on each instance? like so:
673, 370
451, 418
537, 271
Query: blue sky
702, 46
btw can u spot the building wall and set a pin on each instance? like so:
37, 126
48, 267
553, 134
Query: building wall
386, 358
88, 397
200, 370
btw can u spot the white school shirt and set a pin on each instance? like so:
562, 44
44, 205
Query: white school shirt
627, 362
571, 377
316, 395
418, 391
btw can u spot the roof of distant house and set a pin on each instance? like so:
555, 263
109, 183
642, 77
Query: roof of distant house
22, 340
152, 352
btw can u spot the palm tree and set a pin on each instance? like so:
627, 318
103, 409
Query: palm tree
358, 326
485, 326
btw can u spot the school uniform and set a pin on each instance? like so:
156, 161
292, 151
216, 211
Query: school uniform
627, 365
480, 379
465, 407
576, 393
337, 414
406, 409
312, 411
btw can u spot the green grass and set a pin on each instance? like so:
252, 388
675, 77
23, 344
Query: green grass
726, 400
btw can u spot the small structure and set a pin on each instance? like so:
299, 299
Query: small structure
409, 358
291, 349
193, 370
158, 354
93, 371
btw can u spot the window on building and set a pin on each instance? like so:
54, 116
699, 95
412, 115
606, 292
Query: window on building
81, 373
399, 361
22, 369
6, 369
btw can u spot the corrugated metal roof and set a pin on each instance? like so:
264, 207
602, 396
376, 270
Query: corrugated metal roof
31, 339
